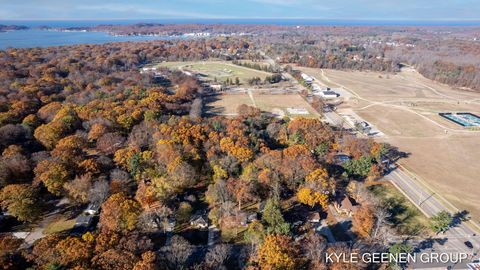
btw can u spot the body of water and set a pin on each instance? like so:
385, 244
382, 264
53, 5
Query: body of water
41, 38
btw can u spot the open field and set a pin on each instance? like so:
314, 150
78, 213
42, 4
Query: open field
405, 108
227, 104
221, 70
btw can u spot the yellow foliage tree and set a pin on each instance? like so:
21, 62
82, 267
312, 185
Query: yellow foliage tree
277, 252
311, 198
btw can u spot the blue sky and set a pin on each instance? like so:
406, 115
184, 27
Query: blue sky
217, 9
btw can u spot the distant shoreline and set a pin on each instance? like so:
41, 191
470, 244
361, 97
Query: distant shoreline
279, 21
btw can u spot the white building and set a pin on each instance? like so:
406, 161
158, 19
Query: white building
307, 78
329, 94
148, 69
299, 111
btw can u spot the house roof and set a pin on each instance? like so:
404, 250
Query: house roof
346, 204
329, 92
314, 216
198, 220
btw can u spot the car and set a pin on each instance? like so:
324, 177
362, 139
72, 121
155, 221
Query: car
468, 244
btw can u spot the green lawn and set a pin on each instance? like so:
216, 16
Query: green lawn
221, 70
406, 218
59, 225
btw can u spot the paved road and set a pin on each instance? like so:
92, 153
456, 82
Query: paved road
453, 241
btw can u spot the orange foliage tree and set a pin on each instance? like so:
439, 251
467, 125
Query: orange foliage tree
120, 213
363, 220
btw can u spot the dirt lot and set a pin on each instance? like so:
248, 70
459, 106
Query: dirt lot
227, 104
220, 70
405, 108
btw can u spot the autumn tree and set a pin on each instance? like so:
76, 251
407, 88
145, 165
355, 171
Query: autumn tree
73, 251
53, 174
79, 188
310, 197
21, 200
363, 220
114, 259
64, 122
147, 262
277, 252
254, 233
120, 213
9, 243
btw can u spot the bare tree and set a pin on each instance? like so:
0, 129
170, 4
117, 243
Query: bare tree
99, 191
196, 108
176, 255
380, 230
217, 256
314, 248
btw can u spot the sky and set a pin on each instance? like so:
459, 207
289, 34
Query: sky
240, 9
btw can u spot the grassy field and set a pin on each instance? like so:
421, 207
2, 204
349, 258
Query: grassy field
405, 108
221, 70
227, 104
405, 217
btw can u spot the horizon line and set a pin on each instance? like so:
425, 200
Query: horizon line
254, 18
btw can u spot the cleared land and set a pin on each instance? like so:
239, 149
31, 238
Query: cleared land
227, 104
220, 70
405, 108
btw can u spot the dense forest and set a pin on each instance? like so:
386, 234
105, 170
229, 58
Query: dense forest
83, 124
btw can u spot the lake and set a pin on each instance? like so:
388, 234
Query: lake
43, 38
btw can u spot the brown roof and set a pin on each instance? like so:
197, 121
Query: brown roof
346, 204
313, 215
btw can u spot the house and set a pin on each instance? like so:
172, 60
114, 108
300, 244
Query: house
147, 69
199, 222
299, 111
216, 87
329, 94
314, 217
345, 207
